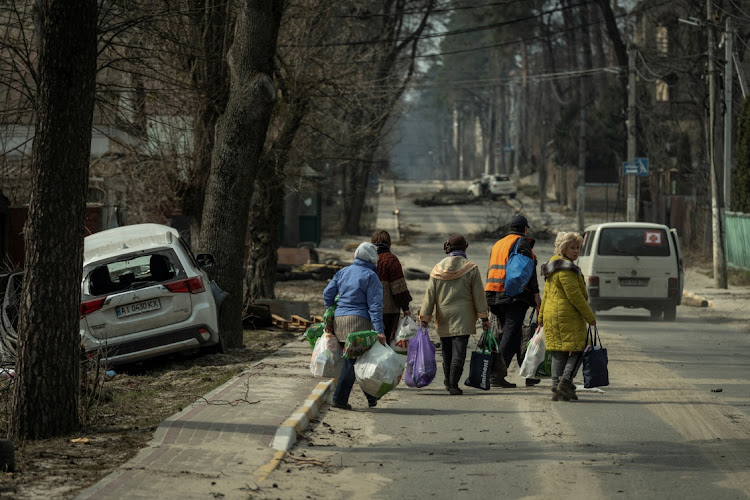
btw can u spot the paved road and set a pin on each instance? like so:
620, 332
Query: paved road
661, 429
658, 431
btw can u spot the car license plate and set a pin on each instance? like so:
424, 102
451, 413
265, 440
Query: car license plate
633, 281
138, 308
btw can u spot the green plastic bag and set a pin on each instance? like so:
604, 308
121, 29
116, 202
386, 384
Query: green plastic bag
313, 333
544, 369
357, 343
328, 315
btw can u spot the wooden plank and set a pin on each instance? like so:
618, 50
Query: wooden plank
300, 321
280, 322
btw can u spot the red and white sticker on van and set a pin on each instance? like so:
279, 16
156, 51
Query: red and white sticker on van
652, 238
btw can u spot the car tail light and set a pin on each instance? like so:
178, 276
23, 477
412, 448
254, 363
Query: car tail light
191, 285
204, 333
672, 286
593, 286
90, 306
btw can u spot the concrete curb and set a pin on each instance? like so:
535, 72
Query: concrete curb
286, 434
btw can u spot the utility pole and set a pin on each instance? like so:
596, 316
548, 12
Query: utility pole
719, 262
581, 188
631, 125
728, 80
456, 152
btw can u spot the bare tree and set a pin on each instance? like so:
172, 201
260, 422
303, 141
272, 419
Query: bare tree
45, 399
240, 134
210, 21
304, 71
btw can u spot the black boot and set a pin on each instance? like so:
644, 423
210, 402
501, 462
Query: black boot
502, 383
454, 379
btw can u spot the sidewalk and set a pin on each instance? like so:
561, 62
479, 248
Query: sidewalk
227, 443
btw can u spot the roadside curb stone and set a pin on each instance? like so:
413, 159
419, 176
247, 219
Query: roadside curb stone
286, 435
227, 442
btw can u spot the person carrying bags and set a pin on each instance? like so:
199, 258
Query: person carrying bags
456, 294
510, 308
359, 308
564, 314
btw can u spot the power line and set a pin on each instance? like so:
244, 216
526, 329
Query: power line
541, 77
501, 44
445, 33
439, 11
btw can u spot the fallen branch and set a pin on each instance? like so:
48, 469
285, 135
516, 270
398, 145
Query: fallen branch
310, 461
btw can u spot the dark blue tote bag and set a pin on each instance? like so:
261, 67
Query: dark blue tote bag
595, 371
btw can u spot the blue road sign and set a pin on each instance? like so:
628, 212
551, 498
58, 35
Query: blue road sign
642, 166
629, 168
639, 166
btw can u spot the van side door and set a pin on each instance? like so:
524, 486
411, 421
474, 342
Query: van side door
680, 270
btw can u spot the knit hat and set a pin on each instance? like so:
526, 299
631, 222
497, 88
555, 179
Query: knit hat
455, 242
367, 252
519, 222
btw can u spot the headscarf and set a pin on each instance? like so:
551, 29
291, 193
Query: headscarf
455, 242
367, 252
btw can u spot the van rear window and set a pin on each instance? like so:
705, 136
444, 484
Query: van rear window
641, 242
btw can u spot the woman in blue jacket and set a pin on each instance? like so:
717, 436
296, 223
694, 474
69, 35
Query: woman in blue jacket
359, 308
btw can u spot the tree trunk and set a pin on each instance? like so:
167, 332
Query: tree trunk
45, 394
210, 21
240, 134
267, 212
621, 52
397, 36
357, 195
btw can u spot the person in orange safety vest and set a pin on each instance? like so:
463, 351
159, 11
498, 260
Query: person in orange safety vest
510, 311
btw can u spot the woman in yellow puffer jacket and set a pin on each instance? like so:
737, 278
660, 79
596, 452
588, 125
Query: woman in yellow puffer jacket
564, 313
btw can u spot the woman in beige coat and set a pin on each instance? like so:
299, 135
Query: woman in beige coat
565, 313
456, 293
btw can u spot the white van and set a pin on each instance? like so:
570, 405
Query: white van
633, 264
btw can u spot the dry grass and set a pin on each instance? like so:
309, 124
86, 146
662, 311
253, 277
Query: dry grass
124, 417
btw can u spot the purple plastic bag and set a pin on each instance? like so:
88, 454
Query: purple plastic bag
420, 360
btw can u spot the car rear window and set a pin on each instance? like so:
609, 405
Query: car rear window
131, 272
636, 241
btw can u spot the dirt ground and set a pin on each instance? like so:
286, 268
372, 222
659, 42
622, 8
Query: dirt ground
129, 408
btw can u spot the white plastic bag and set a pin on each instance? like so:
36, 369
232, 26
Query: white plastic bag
407, 329
400, 346
534, 354
326, 356
378, 370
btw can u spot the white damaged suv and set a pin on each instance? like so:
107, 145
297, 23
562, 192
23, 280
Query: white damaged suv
145, 294
493, 186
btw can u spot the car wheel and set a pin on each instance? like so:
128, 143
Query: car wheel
670, 312
655, 313
7, 456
